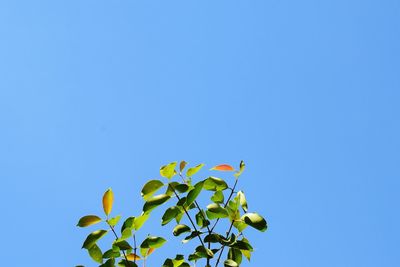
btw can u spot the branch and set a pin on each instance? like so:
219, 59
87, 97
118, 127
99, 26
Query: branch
116, 237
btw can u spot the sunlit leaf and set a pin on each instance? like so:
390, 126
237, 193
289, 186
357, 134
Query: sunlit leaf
255, 220
215, 184
192, 171
230, 263
125, 263
168, 171
235, 255
150, 188
140, 220
123, 245
241, 169
153, 242
242, 200
218, 197
155, 201
204, 252
180, 228
170, 214
108, 199
246, 253
222, 167
214, 210
192, 195
96, 254
92, 238
114, 221
133, 257
88, 220
108, 263
111, 253
201, 219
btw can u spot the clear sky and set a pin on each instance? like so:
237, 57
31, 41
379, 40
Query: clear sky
98, 94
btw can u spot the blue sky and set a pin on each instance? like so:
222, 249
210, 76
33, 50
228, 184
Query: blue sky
98, 94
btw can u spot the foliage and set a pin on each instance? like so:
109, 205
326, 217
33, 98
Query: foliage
226, 204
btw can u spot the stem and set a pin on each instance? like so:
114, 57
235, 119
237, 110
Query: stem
134, 248
188, 215
116, 237
202, 215
226, 203
223, 247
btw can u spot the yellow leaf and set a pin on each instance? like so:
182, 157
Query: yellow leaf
132, 257
108, 199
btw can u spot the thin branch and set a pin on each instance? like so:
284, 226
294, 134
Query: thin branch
116, 237
223, 246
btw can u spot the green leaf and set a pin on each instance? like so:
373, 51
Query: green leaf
204, 252
168, 263
111, 254
180, 228
88, 220
155, 201
170, 214
218, 197
108, 199
92, 238
192, 171
242, 166
242, 245
214, 210
122, 245
96, 254
242, 200
212, 238
230, 263
246, 253
191, 236
140, 220
193, 194
255, 220
153, 242
127, 226
125, 263
168, 171
235, 255
108, 263
113, 221
215, 184
150, 188
201, 219
240, 225
177, 187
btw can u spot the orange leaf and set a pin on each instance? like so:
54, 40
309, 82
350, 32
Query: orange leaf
223, 167
150, 251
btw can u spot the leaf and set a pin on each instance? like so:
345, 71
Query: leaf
214, 210
140, 220
242, 200
153, 242
192, 195
113, 221
192, 171
150, 188
125, 263
215, 184
180, 228
133, 257
111, 254
242, 245
123, 245
96, 254
168, 171
146, 251
88, 220
170, 214
108, 263
242, 166
108, 199
218, 197
175, 187
182, 165
191, 236
230, 263
240, 225
246, 253
155, 201
222, 167
204, 252
235, 255
255, 220
212, 238
201, 219
92, 238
